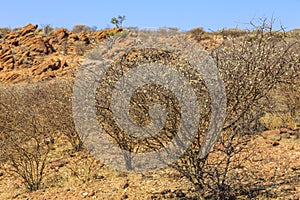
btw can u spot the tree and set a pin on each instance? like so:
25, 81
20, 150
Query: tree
118, 21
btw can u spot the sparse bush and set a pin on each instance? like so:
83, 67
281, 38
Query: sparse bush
232, 32
295, 32
81, 28
60, 111
197, 33
81, 48
164, 30
275, 120
286, 96
85, 172
94, 28
4, 31
132, 28
173, 29
47, 29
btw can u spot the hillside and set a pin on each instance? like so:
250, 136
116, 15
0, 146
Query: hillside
43, 157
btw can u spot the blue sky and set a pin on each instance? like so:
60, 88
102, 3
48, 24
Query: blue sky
187, 14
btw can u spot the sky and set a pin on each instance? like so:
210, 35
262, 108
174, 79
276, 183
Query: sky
212, 15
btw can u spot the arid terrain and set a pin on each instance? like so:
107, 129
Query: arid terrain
269, 162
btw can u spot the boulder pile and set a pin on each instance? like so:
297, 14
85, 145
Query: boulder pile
31, 54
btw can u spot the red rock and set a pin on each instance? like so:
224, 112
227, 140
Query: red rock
283, 130
91, 194
41, 69
28, 28
26, 55
64, 63
101, 35
39, 46
27, 38
9, 64
74, 36
272, 135
5, 57
50, 74
11, 35
83, 37
58, 163
12, 77
22, 58
60, 33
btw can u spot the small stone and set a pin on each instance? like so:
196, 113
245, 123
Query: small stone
285, 135
126, 185
275, 143
293, 127
98, 177
295, 135
85, 194
72, 155
283, 130
286, 188
124, 196
49, 140
179, 193
295, 168
258, 159
166, 191
91, 194
58, 164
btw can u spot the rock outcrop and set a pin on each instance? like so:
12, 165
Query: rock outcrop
29, 54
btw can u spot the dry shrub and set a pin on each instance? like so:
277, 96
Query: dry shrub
23, 132
81, 28
60, 114
30, 117
232, 33
285, 96
4, 31
199, 34
250, 66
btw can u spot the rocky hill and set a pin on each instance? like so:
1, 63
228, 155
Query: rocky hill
31, 54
